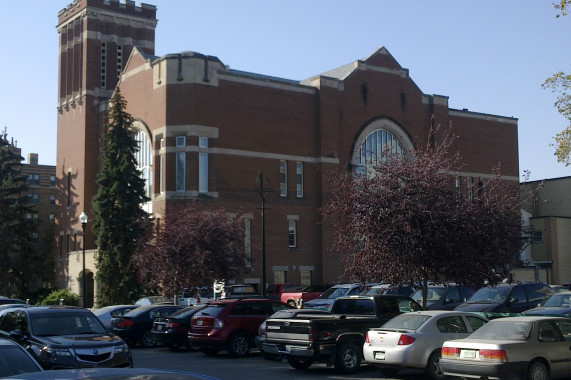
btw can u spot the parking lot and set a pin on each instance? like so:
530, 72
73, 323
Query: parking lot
253, 367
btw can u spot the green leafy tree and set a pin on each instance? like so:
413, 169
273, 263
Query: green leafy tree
56, 296
405, 222
560, 83
119, 218
193, 247
17, 257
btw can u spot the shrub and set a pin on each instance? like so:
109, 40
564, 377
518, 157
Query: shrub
54, 297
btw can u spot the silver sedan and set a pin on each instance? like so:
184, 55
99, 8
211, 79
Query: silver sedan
413, 340
531, 347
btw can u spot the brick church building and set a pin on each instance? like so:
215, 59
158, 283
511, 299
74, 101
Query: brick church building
206, 132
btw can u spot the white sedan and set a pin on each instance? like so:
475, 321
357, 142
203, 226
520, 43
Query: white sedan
414, 340
531, 347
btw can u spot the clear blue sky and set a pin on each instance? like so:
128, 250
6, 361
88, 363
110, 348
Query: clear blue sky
488, 56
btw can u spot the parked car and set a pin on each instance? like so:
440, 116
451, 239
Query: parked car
231, 324
274, 291
64, 337
325, 300
413, 340
558, 304
530, 347
152, 300
559, 288
114, 373
172, 331
135, 326
387, 288
241, 291
507, 298
444, 296
283, 314
7, 300
105, 314
196, 296
296, 299
15, 360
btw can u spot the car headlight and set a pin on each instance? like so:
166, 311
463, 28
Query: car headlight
121, 348
62, 352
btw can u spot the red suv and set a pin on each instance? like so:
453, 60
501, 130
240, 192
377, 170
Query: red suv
230, 324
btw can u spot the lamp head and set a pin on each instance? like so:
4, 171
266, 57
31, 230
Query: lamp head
83, 218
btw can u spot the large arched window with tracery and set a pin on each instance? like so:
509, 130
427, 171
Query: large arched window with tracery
381, 138
144, 159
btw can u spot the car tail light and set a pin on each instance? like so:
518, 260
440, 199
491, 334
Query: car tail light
312, 335
367, 338
450, 352
218, 324
405, 340
125, 323
496, 355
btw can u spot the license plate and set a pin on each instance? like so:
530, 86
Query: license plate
160, 328
379, 355
199, 322
468, 353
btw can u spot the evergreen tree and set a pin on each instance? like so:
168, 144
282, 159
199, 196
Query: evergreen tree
16, 250
119, 219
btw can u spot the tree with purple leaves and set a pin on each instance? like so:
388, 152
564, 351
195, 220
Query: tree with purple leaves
408, 220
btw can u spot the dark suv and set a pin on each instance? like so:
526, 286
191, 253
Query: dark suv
507, 298
64, 337
231, 324
444, 296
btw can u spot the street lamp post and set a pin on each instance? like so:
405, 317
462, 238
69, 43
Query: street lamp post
83, 221
263, 191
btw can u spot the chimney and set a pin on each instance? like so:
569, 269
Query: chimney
33, 159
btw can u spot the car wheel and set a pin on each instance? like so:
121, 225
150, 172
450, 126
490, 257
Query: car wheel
209, 351
299, 363
292, 303
433, 367
347, 358
537, 371
389, 372
147, 340
239, 345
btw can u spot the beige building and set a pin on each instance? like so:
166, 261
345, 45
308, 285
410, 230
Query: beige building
550, 220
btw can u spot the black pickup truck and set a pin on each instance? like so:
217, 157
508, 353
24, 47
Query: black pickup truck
336, 338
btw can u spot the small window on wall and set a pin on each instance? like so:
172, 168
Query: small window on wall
181, 141
306, 277
180, 171
203, 166
292, 233
299, 179
279, 277
52, 181
537, 237
248, 240
283, 178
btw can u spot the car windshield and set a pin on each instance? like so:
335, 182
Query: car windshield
57, 324
14, 361
332, 293
499, 329
433, 294
407, 321
491, 294
559, 300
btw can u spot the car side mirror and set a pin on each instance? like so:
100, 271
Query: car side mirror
513, 300
17, 334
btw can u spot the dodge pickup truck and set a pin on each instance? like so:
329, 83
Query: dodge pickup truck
336, 338
296, 299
